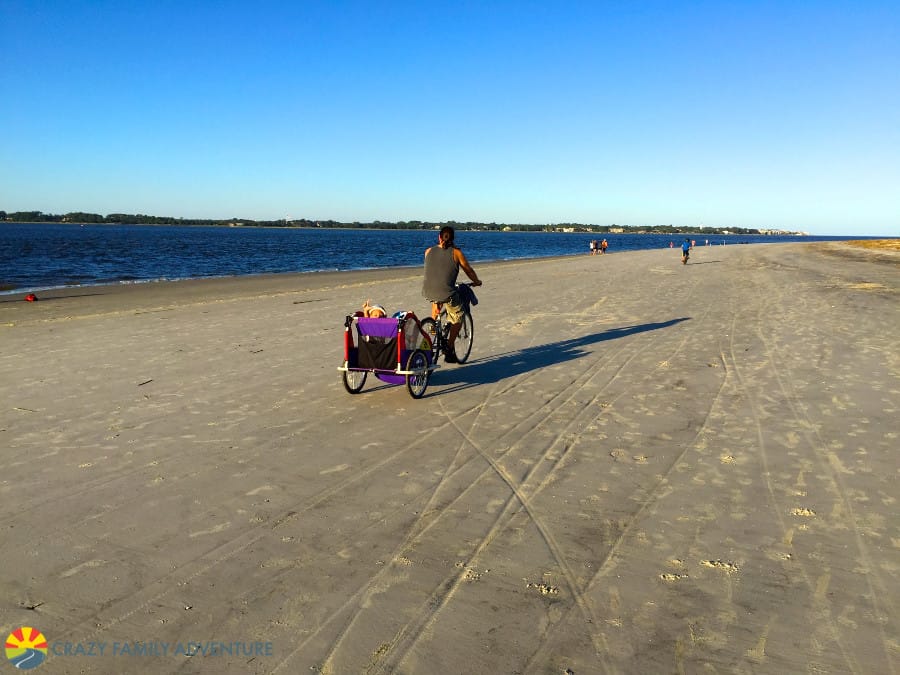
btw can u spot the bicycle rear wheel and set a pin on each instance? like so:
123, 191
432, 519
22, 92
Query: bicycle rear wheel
464, 340
429, 325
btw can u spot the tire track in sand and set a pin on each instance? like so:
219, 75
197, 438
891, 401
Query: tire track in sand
817, 446
657, 492
544, 413
773, 499
123, 608
582, 601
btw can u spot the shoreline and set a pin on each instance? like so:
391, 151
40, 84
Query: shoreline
57, 290
267, 277
72, 273
73, 301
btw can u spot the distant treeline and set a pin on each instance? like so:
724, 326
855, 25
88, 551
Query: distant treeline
140, 219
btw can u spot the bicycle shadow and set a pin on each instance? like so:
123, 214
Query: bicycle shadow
501, 366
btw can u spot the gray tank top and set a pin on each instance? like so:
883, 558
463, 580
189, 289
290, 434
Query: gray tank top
441, 271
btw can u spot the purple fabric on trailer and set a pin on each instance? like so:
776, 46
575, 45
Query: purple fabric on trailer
386, 328
390, 379
383, 328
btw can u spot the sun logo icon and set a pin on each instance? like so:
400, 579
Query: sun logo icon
26, 648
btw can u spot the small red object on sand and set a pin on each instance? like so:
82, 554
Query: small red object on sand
31, 297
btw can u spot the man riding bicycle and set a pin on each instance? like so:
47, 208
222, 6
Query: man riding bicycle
442, 265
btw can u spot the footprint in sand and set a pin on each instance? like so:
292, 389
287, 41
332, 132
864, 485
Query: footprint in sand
471, 575
544, 589
727, 567
672, 577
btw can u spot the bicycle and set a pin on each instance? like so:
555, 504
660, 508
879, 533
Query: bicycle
439, 329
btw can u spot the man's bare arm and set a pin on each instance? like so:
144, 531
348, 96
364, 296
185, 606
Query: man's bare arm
466, 267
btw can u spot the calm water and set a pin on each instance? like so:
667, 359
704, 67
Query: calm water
39, 256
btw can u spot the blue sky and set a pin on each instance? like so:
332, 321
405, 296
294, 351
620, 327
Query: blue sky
752, 114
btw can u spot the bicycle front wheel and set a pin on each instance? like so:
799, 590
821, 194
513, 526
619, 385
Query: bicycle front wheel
463, 346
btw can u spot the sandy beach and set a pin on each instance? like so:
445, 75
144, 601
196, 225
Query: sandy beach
645, 467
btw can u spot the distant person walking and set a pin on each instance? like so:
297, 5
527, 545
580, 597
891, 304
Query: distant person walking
603, 246
593, 247
685, 251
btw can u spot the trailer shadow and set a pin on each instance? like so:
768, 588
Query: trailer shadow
502, 366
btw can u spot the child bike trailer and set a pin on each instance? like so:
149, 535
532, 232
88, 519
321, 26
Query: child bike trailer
396, 350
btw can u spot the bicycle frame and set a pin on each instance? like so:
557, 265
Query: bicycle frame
440, 338
441, 332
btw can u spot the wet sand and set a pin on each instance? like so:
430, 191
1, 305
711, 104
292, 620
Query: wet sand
644, 468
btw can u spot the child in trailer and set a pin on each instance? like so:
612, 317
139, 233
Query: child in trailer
373, 311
